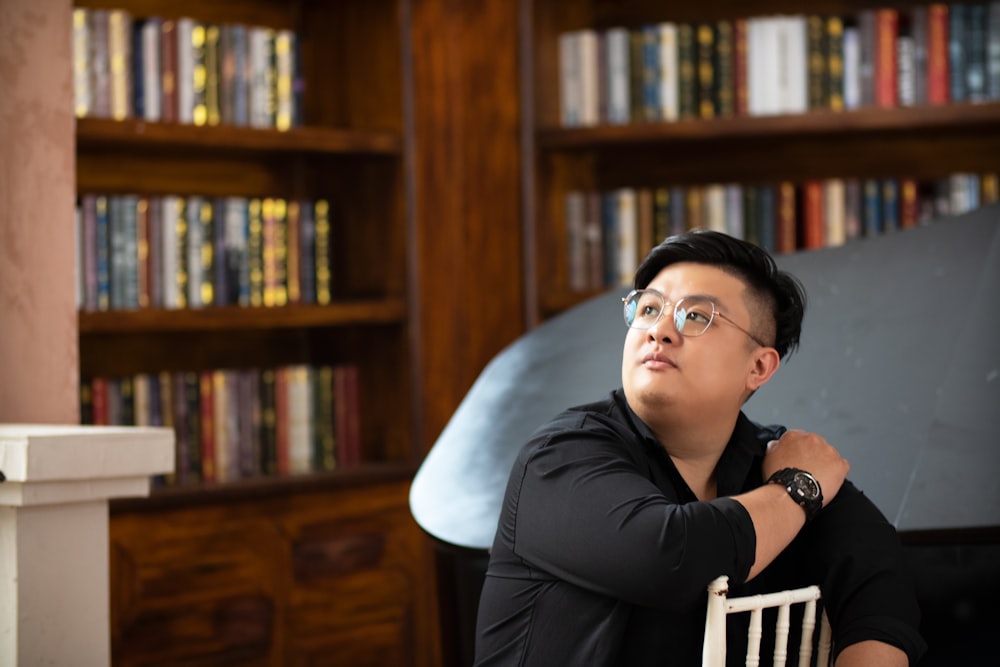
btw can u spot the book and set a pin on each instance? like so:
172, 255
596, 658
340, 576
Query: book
740, 92
813, 215
817, 54
576, 241
307, 252
651, 109
920, 37
957, 26
886, 64
834, 212
687, 79
102, 241
705, 50
975, 51
852, 68
616, 59
668, 69
120, 63
993, 51
99, 63
834, 56
724, 83
324, 249
187, 31
213, 74
938, 54
82, 92
786, 234
284, 50
255, 251
168, 74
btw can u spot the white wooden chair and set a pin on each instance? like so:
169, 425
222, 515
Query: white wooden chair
719, 606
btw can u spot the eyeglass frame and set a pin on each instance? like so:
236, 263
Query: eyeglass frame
666, 302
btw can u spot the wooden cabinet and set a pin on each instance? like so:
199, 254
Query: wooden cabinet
920, 142
303, 575
310, 569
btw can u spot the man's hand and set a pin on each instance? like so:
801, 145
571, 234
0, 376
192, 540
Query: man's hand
812, 453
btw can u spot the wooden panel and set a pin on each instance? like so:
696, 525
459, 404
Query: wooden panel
324, 577
468, 199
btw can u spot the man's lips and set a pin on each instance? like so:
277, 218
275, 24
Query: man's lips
658, 360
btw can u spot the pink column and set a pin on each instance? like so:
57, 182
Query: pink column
39, 352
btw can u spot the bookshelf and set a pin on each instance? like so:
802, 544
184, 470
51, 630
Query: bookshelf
923, 142
305, 568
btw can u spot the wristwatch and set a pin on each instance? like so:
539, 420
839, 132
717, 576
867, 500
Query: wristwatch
802, 487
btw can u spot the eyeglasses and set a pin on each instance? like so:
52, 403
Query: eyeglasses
692, 314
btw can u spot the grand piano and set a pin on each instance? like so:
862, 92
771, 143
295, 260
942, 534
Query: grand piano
899, 367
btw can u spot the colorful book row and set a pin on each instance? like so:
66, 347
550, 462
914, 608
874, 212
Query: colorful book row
765, 65
608, 233
239, 424
173, 251
185, 71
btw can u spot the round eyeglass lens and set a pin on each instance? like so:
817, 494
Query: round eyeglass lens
642, 309
693, 315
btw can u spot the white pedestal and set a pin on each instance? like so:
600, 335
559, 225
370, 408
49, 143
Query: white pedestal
54, 607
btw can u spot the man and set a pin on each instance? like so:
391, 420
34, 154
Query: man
618, 514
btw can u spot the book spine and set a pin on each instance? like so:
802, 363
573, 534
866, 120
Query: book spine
872, 211
99, 60
152, 49
284, 48
833, 211
687, 82
102, 226
186, 35
307, 252
834, 57
938, 54
324, 257
814, 223
705, 54
918, 32
82, 92
724, 85
957, 51
816, 53
993, 52
255, 251
168, 76
199, 73
785, 237
740, 63
886, 66
975, 45
292, 246
206, 403
213, 67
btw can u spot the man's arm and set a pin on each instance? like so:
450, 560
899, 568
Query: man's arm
871, 652
777, 519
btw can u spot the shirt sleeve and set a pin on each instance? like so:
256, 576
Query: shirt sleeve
866, 586
585, 510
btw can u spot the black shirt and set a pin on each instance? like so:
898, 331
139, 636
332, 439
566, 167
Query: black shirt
603, 554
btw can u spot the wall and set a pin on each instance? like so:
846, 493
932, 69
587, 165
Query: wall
38, 330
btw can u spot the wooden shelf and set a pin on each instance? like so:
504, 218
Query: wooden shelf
237, 318
137, 134
955, 118
224, 492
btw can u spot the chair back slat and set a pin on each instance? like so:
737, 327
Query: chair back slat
719, 606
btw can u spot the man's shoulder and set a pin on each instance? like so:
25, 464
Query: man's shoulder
756, 433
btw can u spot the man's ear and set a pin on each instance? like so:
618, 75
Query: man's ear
765, 362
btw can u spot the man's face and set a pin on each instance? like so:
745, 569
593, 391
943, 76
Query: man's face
703, 375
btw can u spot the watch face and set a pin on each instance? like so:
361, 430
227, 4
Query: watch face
806, 485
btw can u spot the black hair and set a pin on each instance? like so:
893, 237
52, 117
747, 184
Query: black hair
779, 290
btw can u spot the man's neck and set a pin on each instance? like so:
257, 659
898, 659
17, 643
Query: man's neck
696, 451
